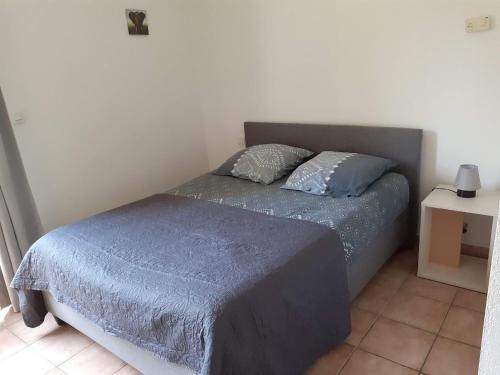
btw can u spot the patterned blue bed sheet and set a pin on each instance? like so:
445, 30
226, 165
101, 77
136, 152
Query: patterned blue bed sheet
358, 220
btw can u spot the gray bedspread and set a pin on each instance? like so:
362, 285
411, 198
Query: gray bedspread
216, 288
358, 220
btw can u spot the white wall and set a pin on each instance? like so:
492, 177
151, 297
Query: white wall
110, 118
372, 62
141, 104
489, 363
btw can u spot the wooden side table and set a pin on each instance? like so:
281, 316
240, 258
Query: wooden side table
441, 224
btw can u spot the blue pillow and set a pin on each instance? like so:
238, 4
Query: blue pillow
338, 174
263, 163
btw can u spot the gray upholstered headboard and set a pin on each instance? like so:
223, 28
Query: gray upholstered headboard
400, 144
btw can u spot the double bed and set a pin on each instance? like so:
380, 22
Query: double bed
254, 278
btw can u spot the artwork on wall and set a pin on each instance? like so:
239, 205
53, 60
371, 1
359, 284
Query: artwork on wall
137, 22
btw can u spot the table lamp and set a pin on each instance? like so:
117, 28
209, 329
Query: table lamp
467, 181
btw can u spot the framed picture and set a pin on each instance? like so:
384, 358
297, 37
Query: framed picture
137, 22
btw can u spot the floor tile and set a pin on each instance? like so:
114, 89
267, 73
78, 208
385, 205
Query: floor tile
374, 298
420, 312
25, 362
331, 363
451, 357
92, 360
430, 289
390, 277
8, 316
470, 300
361, 321
363, 363
398, 342
128, 370
61, 344
9, 344
463, 325
30, 335
406, 260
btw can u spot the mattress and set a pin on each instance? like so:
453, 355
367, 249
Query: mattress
357, 220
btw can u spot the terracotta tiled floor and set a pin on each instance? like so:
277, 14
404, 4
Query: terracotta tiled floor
400, 325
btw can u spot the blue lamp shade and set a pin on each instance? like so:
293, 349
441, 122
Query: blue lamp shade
467, 181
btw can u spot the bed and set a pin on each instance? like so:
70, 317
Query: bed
313, 282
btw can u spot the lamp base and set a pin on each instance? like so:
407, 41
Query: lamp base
466, 193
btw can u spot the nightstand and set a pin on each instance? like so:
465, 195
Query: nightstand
441, 224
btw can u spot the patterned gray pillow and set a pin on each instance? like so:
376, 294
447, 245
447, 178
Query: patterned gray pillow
263, 163
339, 174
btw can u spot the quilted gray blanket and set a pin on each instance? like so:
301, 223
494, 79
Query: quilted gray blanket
216, 288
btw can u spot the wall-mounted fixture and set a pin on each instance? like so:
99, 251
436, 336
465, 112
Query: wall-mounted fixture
18, 118
478, 24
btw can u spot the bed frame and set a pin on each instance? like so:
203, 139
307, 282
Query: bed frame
400, 144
